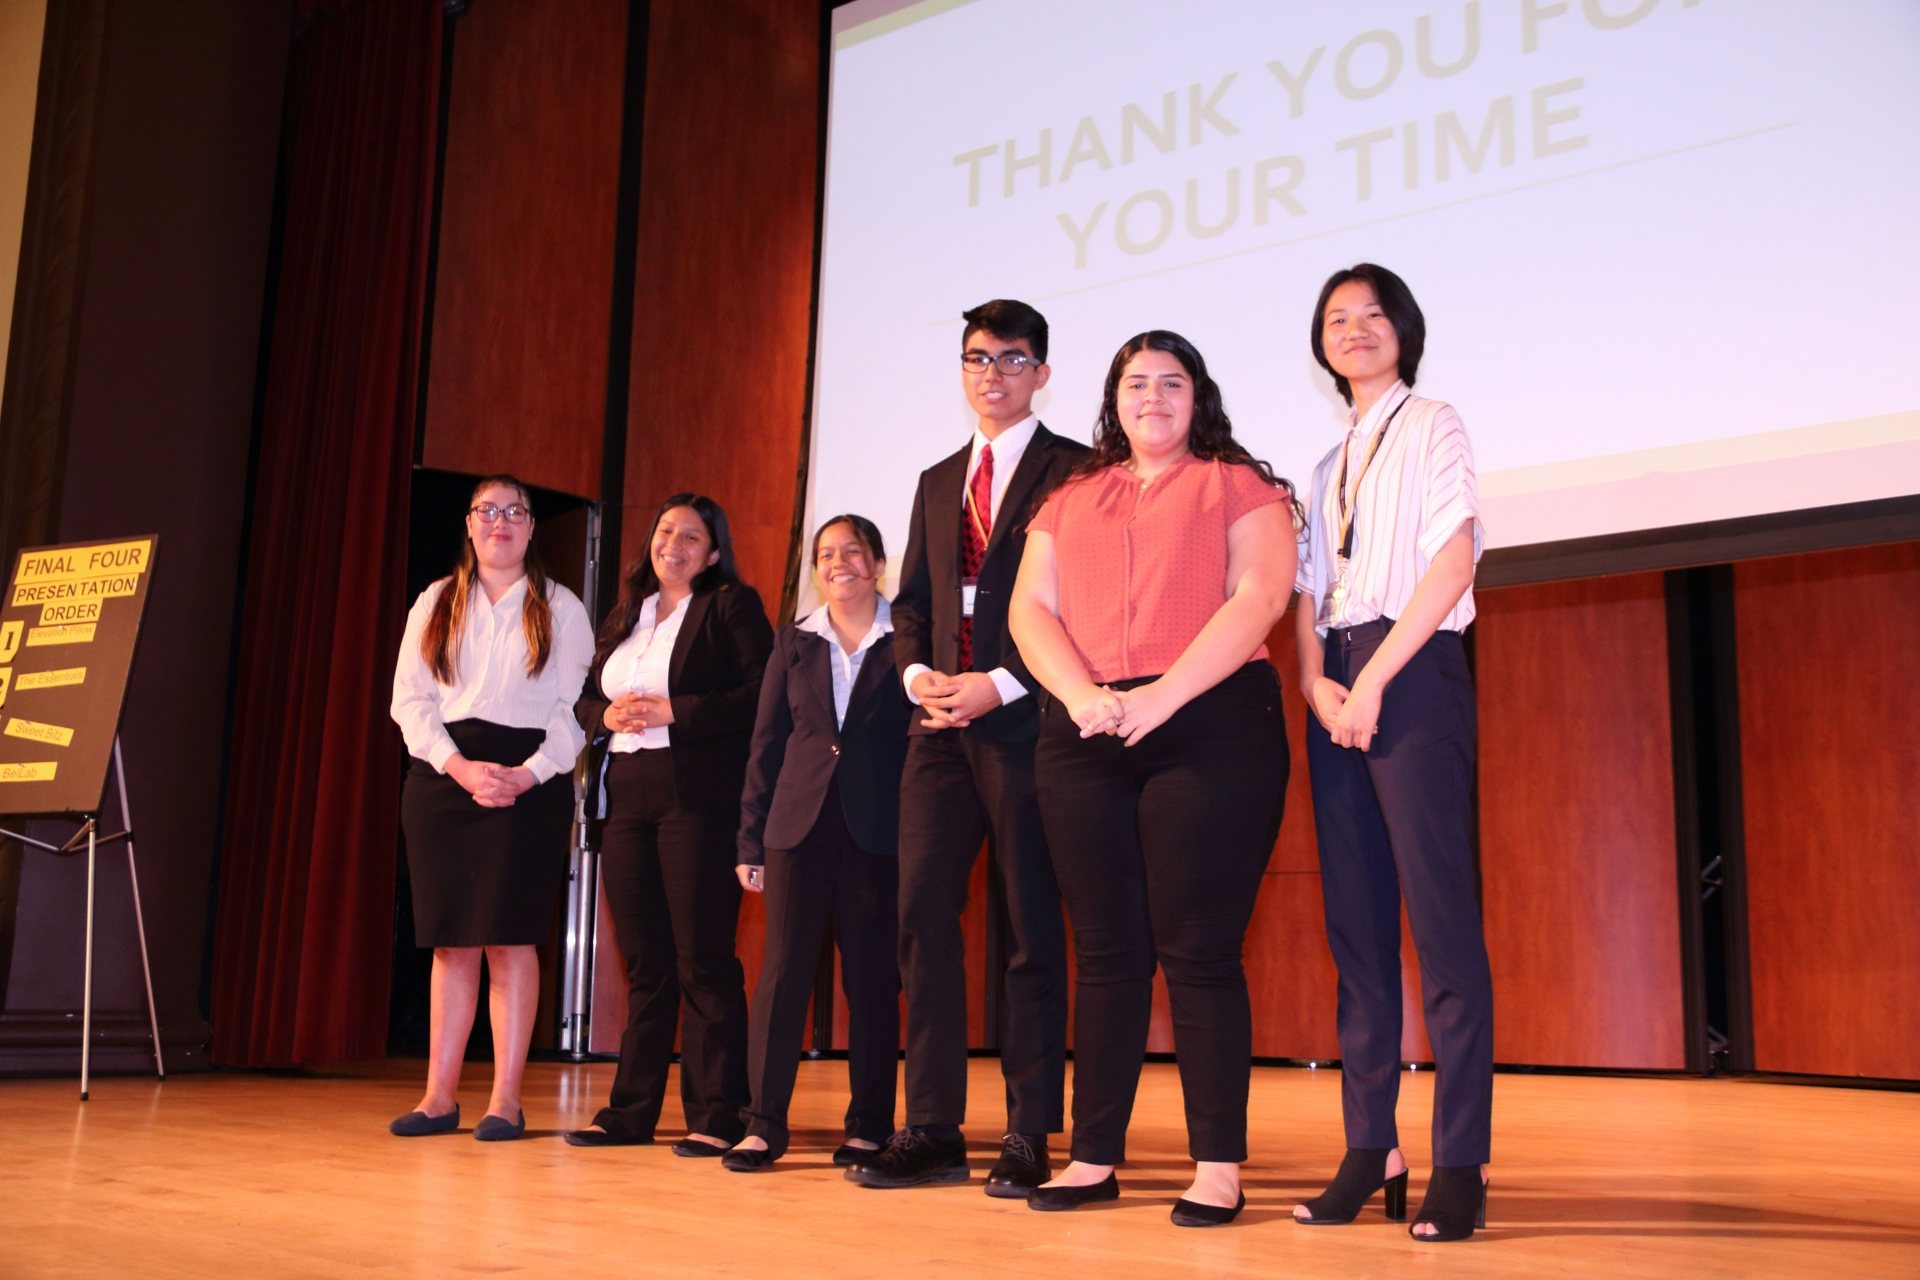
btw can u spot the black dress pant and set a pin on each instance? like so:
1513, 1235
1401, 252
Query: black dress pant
828, 880
668, 876
959, 785
1398, 820
1160, 850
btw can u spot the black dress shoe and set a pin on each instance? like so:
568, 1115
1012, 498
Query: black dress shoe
913, 1159
847, 1155
601, 1138
1054, 1199
418, 1124
1022, 1166
697, 1150
1190, 1213
748, 1161
494, 1128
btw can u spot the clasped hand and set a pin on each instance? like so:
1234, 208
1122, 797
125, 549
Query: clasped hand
954, 702
1124, 713
492, 786
1351, 717
637, 712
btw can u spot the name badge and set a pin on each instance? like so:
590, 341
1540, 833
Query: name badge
969, 587
1336, 599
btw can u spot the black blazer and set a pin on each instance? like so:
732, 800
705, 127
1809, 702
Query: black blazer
798, 750
714, 674
926, 612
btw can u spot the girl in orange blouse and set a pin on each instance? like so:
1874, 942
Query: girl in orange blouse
1150, 582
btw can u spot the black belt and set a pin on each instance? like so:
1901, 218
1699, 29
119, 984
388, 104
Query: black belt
1365, 631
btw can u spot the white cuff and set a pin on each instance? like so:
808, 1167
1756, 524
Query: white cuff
913, 672
1011, 690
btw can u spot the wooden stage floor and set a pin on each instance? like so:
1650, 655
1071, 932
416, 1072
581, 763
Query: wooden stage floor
294, 1175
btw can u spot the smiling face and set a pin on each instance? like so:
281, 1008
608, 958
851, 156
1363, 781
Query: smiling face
996, 397
499, 544
1154, 400
681, 550
843, 566
1361, 343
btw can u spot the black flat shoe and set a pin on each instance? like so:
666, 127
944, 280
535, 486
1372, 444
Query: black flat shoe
748, 1161
1455, 1203
1363, 1171
1023, 1165
698, 1150
601, 1138
1191, 1213
418, 1124
846, 1155
1055, 1199
494, 1128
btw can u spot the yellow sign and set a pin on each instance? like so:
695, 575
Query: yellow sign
73, 633
51, 614
58, 735
30, 771
86, 562
108, 588
51, 679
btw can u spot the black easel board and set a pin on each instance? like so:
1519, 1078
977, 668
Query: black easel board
68, 626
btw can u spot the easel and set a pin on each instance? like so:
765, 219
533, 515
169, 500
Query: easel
89, 836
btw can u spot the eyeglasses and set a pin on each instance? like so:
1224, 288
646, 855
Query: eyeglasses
515, 512
1012, 363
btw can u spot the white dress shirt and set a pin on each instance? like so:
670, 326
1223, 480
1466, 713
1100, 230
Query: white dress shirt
1416, 494
491, 680
1008, 448
639, 665
846, 666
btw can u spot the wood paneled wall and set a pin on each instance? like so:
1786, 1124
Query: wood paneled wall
724, 279
1830, 761
1577, 854
517, 379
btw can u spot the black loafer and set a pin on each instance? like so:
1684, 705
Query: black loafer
748, 1161
1023, 1165
601, 1138
698, 1150
1055, 1199
418, 1124
846, 1155
494, 1128
1189, 1213
912, 1158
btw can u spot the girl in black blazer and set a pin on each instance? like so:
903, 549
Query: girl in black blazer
668, 711
819, 824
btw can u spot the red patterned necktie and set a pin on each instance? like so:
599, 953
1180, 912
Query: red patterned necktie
976, 521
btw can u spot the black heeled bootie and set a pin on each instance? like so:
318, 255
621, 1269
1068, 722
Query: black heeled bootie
1456, 1203
1363, 1171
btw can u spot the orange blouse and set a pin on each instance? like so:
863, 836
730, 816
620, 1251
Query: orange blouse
1143, 566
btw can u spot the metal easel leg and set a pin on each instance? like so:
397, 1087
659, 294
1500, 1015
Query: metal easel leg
86, 990
139, 919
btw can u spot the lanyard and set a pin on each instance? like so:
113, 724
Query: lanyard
1345, 509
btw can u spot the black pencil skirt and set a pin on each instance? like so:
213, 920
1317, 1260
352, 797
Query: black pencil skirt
485, 877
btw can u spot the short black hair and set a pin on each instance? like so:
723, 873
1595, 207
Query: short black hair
864, 530
1009, 320
1403, 313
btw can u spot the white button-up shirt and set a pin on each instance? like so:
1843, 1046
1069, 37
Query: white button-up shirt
640, 665
491, 681
846, 666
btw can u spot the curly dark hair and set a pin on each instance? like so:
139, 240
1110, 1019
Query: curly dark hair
1211, 436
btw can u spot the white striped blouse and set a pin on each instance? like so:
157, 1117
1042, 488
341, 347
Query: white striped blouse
1412, 499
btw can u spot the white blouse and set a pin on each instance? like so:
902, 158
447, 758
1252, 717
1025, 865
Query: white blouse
846, 666
1414, 496
639, 665
491, 681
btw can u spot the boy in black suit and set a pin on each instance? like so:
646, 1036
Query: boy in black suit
969, 773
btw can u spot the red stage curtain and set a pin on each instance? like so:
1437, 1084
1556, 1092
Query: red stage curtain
302, 939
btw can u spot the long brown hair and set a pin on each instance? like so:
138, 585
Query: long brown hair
642, 581
440, 643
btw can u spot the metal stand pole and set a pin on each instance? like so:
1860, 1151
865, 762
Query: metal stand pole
139, 919
86, 989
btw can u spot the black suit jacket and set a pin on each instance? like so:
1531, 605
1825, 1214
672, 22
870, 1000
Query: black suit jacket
926, 612
798, 749
714, 678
